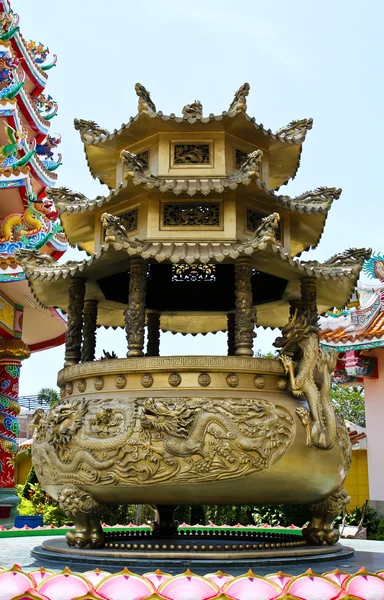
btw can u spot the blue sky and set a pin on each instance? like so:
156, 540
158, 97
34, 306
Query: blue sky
302, 59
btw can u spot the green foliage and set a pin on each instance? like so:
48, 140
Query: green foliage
53, 515
121, 514
349, 403
183, 514
198, 514
48, 396
31, 479
34, 501
353, 517
379, 533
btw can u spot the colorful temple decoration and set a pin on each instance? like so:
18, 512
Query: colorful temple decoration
45, 584
28, 220
358, 328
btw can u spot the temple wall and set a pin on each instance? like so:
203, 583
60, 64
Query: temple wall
374, 406
356, 482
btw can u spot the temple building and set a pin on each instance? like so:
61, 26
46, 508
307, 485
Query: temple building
28, 220
356, 332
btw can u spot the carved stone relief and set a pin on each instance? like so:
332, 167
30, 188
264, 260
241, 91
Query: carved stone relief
151, 440
194, 214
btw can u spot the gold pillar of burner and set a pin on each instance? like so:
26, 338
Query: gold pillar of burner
295, 306
231, 334
73, 338
153, 340
309, 298
89, 331
245, 314
135, 313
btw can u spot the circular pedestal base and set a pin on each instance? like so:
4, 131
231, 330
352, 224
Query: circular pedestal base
177, 553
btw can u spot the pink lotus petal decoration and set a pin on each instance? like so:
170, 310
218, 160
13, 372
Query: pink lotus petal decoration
366, 585
219, 578
280, 578
31, 594
14, 582
40, 574
157, 578
125, 586
251, 587
96, 576
92, 595
313, 587
346, 596
64, 586
288, 596
337, 576
188, 586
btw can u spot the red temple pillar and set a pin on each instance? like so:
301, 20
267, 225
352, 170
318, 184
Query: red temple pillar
9, 425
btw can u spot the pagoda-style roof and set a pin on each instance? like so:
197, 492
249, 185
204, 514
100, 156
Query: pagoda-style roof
308, 211
282, 147
50, 282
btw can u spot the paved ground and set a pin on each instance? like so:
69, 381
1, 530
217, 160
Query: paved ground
368, 554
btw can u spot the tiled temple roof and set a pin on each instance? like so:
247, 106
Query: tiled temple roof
355, 329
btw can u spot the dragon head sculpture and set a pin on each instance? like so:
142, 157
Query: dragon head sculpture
297, 329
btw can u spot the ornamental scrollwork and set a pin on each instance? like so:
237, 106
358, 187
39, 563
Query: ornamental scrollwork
191, 154
191, 215
155, 440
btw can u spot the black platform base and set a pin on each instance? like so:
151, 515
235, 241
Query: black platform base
55, 550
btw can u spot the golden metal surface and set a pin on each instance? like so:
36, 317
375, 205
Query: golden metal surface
14, 348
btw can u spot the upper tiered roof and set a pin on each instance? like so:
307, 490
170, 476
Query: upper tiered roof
283, 148
192, 195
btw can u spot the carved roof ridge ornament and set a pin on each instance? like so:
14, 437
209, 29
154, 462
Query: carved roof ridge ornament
193, 110
267, 230
250, 168
33, 257
64, 194
296, 130
145, 104
239, 102
135, 168
116, 232
320, 195
350, 258
89, 130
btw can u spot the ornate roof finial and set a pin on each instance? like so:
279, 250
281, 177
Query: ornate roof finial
295, 130
145, 104
239, 102
195, 109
